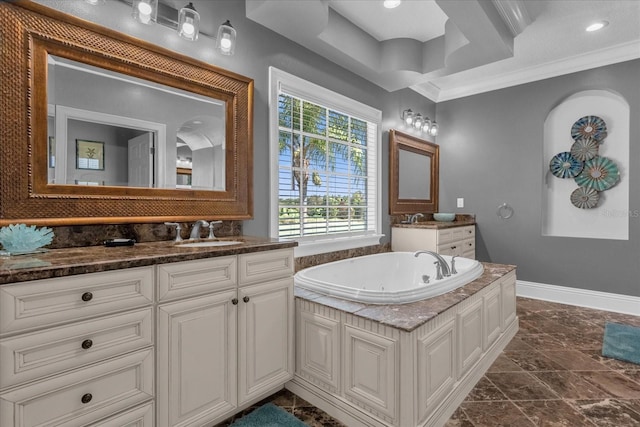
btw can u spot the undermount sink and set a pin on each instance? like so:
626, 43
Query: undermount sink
210, 243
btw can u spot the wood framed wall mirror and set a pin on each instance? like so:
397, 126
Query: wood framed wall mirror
100, 127
413, 174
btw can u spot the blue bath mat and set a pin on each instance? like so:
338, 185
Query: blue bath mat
269, 415
621, 342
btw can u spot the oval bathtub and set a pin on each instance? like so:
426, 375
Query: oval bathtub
387, 278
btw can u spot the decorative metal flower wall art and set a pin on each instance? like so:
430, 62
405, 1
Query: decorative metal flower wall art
593, 173
584, 149
564, 165
589, 127
599, 173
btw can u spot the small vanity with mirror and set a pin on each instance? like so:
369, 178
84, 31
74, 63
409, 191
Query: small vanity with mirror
413, 191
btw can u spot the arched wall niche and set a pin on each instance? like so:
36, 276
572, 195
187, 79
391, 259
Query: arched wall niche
610, 218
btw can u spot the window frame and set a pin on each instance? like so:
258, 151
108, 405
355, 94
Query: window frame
311, 92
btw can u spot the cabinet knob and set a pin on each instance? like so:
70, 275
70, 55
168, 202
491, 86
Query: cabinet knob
234, 301
87, 296
245, 299
86, 344
86, 398
453, 247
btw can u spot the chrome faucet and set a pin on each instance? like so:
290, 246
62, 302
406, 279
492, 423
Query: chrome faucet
443, 264
414, 218
195, 231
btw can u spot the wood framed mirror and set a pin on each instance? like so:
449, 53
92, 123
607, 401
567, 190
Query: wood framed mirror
413, 174
60, 179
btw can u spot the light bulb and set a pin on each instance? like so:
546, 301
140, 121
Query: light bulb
187, 26
225, 43
390, 4
144, 8
434, 129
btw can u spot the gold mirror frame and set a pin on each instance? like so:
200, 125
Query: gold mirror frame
29, 33
403, 141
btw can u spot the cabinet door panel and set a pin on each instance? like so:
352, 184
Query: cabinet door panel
492, 317
436, 367
469, 337
196, 359
265, 337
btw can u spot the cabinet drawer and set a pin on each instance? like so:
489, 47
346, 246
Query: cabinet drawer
31, 356
468, 232
189, 278
83, 396
445, 236
142, 416
264, 266
29, 305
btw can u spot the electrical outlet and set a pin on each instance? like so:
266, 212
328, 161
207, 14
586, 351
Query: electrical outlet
460, 202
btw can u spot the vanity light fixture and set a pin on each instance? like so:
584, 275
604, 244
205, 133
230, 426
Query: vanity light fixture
189, 23
94, 2
420, 122
186, 22
145, 11
226, 40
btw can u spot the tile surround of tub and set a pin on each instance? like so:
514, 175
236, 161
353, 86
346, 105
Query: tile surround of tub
93, 235
551, 374
313, 260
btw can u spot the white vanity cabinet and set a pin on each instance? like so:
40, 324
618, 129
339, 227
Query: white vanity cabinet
225, 335
76, 350
459, 241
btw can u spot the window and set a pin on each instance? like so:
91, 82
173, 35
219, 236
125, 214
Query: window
325, 167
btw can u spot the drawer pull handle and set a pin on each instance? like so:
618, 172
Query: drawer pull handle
234, 301
86, 398
87, 344
87, 296
245, 299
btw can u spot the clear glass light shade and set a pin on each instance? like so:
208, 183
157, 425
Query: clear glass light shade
226, 39
417, 121
434, 129
145, 11
426, 125
189, 23
390, 4
407, 116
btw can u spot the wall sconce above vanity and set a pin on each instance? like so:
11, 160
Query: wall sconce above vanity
186, 22
419, 122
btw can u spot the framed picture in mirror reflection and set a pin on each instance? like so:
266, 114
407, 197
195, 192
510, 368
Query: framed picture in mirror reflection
89, 155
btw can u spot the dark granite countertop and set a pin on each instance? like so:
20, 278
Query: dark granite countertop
437, 224
428, 222
91, 259
408, 317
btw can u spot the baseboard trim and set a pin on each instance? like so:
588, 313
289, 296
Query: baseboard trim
626, 304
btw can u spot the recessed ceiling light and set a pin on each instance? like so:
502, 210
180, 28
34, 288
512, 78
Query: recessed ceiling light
597, 26
390, 4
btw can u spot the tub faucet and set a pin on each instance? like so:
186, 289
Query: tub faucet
414, 218
195, 231
443, 264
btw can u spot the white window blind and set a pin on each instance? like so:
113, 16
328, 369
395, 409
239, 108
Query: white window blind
325, 170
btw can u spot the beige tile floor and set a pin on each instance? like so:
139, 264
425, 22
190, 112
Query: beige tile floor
551, 374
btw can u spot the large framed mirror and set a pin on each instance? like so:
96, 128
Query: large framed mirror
99, 127
413, 174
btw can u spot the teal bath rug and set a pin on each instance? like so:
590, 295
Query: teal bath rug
269, 415
621, 342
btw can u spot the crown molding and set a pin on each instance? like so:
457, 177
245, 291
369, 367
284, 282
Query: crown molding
599, 58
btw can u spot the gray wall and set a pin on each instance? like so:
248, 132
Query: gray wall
491, 152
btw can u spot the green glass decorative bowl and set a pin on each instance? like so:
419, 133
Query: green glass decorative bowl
444, 217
